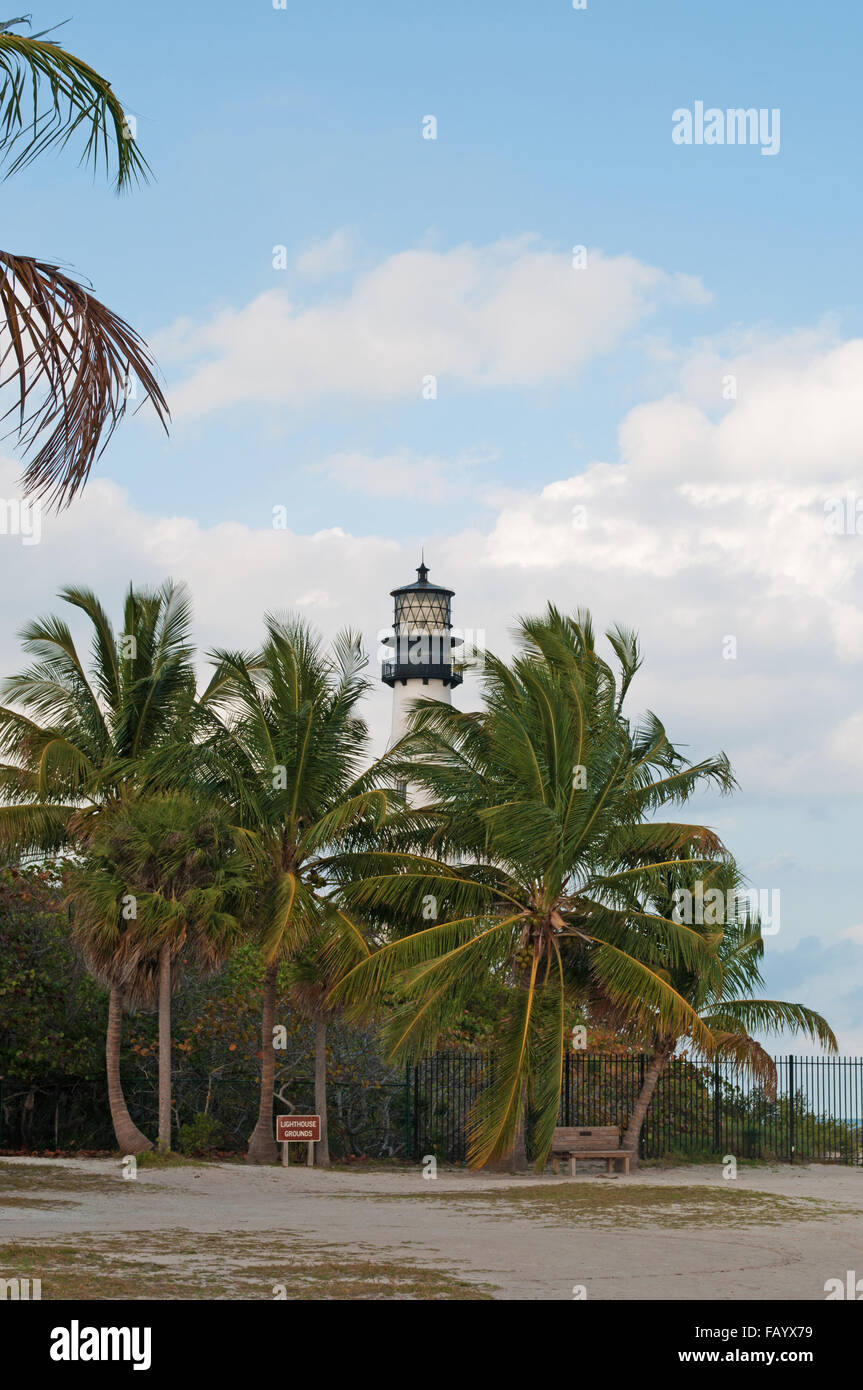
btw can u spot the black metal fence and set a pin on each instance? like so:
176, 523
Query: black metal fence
72, 1112
815, 1114
442, 1090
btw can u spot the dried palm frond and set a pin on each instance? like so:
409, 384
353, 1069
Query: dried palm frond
78, 358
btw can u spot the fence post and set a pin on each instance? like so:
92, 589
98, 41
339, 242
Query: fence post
791, 1105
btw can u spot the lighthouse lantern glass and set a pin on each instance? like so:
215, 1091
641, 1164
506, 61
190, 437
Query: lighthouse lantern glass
418, 612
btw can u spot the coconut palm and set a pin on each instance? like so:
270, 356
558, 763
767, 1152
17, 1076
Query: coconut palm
284, 746
70, 359
172, 859
532, 858
73, 737
720, 985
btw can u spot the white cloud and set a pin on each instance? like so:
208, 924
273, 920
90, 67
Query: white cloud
509, 314
326, 257
713, 526
691, 555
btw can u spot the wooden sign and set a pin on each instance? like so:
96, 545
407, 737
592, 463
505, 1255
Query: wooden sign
300, 1128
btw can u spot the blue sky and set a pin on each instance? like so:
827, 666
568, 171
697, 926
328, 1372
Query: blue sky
269, 127
302, 128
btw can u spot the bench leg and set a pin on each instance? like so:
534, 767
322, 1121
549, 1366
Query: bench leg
555, 1164
572, 1165
609, 1165
626, 1164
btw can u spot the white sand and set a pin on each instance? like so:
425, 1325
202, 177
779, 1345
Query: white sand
520, 1256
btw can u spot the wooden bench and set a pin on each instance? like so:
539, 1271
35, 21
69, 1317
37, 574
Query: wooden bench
582, 1141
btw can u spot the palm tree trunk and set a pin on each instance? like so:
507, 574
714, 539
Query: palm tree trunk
165, 1048
129, 1137
262, 1144
322, 1154
519, 1151
632, 1136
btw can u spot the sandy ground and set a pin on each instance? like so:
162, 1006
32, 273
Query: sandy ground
482, 1236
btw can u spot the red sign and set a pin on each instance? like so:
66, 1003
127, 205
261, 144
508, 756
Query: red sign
304, 1128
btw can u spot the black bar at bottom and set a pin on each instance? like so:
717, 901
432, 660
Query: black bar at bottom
211, 1341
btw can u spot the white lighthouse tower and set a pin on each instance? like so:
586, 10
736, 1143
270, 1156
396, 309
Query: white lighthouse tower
422, 646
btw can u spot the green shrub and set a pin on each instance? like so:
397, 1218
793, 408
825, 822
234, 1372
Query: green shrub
204, 1133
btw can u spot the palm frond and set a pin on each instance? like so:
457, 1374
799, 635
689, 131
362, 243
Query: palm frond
747, 1053
47, 95
771, 1015
498, 1113
72, 362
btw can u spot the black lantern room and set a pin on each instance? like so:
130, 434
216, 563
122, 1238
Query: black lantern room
422, 642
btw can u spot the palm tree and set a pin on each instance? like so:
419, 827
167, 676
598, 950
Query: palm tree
131, 983
176, 860
534, 857
311, 993
73, 741
720, 988
284, 747
70, 358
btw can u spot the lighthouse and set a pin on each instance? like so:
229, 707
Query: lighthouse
421, 648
